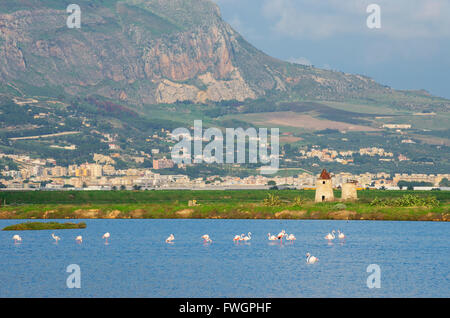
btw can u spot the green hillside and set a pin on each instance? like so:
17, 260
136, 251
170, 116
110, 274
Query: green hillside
138, 67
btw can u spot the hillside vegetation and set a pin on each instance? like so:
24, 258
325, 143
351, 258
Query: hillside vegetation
138, 67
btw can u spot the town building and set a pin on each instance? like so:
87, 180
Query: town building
162, 164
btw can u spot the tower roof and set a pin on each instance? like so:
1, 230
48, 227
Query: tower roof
325, 175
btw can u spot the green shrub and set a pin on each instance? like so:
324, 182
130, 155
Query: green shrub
407, 200
340, 206
298, 201
272, 200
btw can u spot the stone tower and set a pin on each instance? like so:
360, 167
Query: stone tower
349, 191
324, 187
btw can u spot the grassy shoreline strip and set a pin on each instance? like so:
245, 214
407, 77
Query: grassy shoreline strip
348, 211
252, 204
212, 196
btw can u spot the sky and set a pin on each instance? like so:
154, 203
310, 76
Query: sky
410, 50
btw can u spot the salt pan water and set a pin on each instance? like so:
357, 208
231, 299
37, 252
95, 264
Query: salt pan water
414, 259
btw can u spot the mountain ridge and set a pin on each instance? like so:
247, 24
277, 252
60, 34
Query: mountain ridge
146, 52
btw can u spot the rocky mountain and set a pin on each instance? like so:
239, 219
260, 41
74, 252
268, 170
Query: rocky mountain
159, 51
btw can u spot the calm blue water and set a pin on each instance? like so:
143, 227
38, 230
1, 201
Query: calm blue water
414, 258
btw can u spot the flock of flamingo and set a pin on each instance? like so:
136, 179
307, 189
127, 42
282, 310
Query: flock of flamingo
237, 238
310, 259
331, 236
78, 239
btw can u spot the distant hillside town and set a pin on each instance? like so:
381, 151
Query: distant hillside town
44, 174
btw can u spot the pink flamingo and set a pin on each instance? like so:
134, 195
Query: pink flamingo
17, 239
272, 237
311, 259
330, 236
206, 239
56, 238
170, 238
281, 235
106, 236
290, 237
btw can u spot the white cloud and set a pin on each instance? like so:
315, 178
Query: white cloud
244, 29
300, 60
237, 22
326, 18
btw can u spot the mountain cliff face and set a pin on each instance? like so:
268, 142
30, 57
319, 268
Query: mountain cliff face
150, 51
